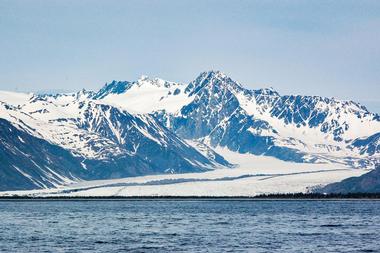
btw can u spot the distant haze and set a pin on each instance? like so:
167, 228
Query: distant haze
327, 48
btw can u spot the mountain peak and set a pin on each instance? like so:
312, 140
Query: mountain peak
116, 87
216, 74
83, 93
143, 78
154, 81
212, 78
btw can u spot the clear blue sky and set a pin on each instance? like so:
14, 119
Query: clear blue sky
328, 48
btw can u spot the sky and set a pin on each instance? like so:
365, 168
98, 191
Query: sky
326, 48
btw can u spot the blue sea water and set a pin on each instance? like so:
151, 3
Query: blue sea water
190, 226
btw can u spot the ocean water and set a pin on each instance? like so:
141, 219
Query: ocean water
190, 226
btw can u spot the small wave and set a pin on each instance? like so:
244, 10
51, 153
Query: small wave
331, 225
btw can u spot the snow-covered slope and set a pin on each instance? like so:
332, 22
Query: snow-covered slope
109, 142
219, 111
27, 162
144, 95
367, 145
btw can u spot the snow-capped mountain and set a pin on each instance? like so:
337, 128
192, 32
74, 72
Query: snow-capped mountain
152, 126
219, 111
107, 142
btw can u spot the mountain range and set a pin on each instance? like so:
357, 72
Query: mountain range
153, 126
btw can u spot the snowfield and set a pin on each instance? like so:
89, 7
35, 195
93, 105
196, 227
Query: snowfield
253, 175
147, 96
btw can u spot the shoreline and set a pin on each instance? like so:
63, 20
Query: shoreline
296, 196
